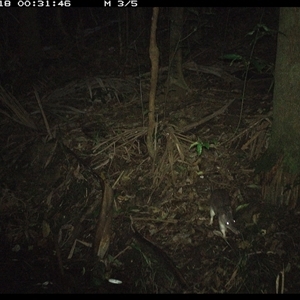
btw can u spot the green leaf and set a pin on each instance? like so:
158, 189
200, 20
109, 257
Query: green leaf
264, 27
199, 149
194, 144
232, 57
259, 64
199, 146
206, 145
242, 206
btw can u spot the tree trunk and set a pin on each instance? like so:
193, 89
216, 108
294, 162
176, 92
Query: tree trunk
154, 57
281, 163
175, 76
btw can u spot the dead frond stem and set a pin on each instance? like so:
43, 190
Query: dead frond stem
128, 136
43, 113
255, 123
21, 115
207, 118
169, 158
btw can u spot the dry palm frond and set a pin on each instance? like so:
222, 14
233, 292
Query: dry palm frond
174, 150
119, 141
19, 114
114, 85
173, 153
42, 112
256, 135
125, 137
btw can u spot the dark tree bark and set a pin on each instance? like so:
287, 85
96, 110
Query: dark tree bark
154, 57
280, 166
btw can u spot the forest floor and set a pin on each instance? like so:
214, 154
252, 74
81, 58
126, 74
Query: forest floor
94, 128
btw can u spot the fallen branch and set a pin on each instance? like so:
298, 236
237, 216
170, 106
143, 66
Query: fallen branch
207, 118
